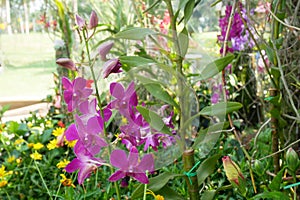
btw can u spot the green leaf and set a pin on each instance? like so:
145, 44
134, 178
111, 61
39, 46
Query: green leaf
155, 184
46, 135
183, 42
208, 195
169, 194
215, 3
221, 108
271, 195
207, 167
135, 33
215, 67
4, 108
134, 61
153, 119
188, 10
207, 135
153, 5
157, 89
276, 182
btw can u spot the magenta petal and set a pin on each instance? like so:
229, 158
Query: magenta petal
133, 157
66, 63
85, 172
117, 90
147, 163
117, 175
93, 126
73, 165
66, 83
71, 133
68, 96
141, 177
79, 83
118, 158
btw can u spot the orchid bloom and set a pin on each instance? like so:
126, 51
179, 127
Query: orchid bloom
75, 92
131, 165
84, 162
87, 134
125, 99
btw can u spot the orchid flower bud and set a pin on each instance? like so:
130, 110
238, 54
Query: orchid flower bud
93, 20
104, 48
80, 22
111, 66
292, 160
66, 63
234, 174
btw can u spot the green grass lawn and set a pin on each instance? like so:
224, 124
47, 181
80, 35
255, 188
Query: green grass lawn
27, 65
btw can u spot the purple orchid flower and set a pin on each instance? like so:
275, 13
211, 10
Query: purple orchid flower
89, 109
125, 100
111, 66
87, 134
84, 162
75, 92
131, 166
104, 49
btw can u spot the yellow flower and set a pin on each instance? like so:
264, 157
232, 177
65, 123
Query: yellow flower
3, 173
36, 156
62, 163
58, 131
38, 146
29, 124
66, 181
19, 141
3, 183
30, 145
156, 197
11, 159
52, 144
70, 144
19, 160
48, 123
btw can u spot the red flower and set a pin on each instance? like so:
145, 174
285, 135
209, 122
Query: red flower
61, 124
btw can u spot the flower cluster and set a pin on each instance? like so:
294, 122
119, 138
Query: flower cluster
238, 37
89, 131
89, 128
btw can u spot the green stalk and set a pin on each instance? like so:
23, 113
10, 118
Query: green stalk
99, 103
188, 154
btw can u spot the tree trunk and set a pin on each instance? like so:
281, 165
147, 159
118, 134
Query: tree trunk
8, 18
26, 15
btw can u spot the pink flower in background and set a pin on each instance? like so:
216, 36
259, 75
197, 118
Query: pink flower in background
131, 165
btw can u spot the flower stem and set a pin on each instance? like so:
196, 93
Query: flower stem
99, 102
38, 169
188, 154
